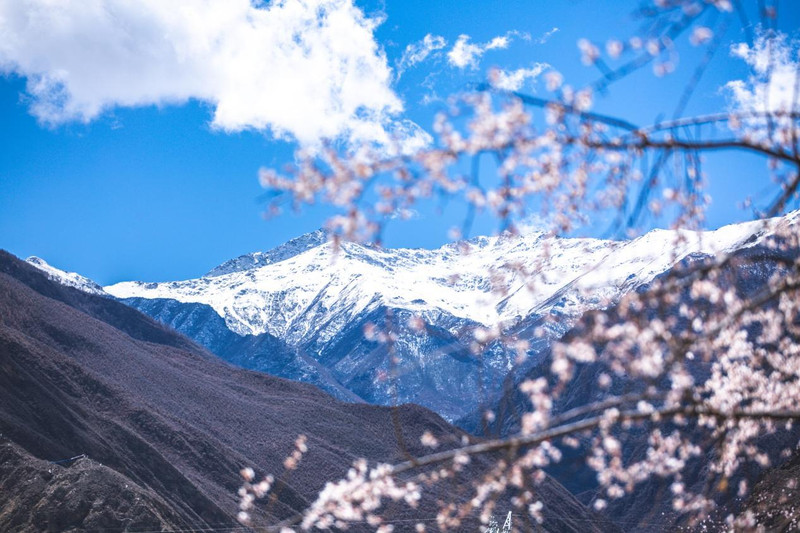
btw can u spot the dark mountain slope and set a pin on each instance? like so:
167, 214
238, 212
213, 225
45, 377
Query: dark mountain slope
265, 352
164, 425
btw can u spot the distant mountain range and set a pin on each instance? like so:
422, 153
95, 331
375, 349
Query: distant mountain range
300, 311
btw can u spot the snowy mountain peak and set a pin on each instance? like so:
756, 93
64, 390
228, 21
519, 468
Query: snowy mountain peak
70, 279
285, 251
295, 289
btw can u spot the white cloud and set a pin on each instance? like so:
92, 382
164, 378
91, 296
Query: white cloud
775, 62
308, 69
419, 51
405, 213
513, 80
543, 38
466, 54
535, 223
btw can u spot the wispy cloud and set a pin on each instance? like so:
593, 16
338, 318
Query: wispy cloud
535, 223
465, 54
514, 80
303, 70
419, 51
543, 38
405, 213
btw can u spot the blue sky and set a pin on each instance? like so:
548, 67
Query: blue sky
167, 191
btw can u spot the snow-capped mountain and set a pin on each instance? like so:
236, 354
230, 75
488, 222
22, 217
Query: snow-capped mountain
70, 279
300, 310
259, 293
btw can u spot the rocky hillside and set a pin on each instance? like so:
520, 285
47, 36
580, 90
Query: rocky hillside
109, 420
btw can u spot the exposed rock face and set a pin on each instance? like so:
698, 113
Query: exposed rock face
164, 426
80, 494
774, 502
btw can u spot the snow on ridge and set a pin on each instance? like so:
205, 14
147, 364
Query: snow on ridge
312, 283
279, 253
70, 279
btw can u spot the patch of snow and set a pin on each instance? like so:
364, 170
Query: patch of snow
70, 279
